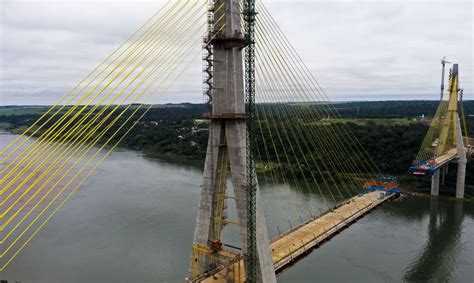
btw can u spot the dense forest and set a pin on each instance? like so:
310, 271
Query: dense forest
390, 131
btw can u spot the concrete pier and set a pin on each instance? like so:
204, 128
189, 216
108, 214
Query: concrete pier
461, 178
443, 175
462, 161
435, 183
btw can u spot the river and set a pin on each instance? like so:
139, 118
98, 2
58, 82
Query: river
133, 221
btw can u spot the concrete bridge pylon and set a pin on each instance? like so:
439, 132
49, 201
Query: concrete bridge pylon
227, 157
451, 147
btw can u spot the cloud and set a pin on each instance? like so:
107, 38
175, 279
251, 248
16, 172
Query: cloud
357, 49
381, 48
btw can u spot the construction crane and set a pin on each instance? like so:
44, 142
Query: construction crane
443, 64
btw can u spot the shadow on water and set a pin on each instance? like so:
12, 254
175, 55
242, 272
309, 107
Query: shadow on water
437, 260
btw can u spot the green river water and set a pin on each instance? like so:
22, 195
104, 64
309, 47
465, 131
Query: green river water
133, 221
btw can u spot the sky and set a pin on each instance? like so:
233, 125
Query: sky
358, 50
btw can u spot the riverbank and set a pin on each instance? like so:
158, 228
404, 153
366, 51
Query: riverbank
418, 185
177, 133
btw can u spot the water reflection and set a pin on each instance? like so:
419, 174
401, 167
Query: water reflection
437, 259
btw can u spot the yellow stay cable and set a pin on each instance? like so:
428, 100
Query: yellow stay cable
64, 138
144, 39
267, 79
93, 144
38, 179
66, 153
308, 76
93, 169
301, 110
433, 131
31, 162
71, 109
263, 119
118, 117
290, 163
335, 141
275, 67
279, 135
74, 154
288, 126
77, 86
51, 130
339, 149
266, 170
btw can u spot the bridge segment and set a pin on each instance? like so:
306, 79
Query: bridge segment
289, 247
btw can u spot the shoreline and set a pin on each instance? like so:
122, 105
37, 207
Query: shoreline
197, 163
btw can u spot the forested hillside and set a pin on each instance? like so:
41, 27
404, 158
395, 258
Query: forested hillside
391, 132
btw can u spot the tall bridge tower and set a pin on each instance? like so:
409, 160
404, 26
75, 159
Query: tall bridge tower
227, 156
450, 142
445, 142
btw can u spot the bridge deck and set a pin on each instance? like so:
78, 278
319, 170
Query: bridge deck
294, 244
450, 155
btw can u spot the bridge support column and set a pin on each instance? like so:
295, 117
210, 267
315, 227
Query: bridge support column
461, 178
227, 153
435, 183
443, 175
462, 161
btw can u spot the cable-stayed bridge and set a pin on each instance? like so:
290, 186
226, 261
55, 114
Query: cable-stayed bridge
447, 139
267, 123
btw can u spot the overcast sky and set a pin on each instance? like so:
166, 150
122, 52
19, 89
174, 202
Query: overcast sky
358, 50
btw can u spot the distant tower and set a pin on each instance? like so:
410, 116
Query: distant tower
451, 137
453, 110
227, 156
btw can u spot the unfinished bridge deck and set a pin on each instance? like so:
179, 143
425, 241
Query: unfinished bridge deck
446, 158
299, 241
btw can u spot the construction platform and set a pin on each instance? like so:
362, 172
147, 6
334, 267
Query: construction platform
299, 241
430, 166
